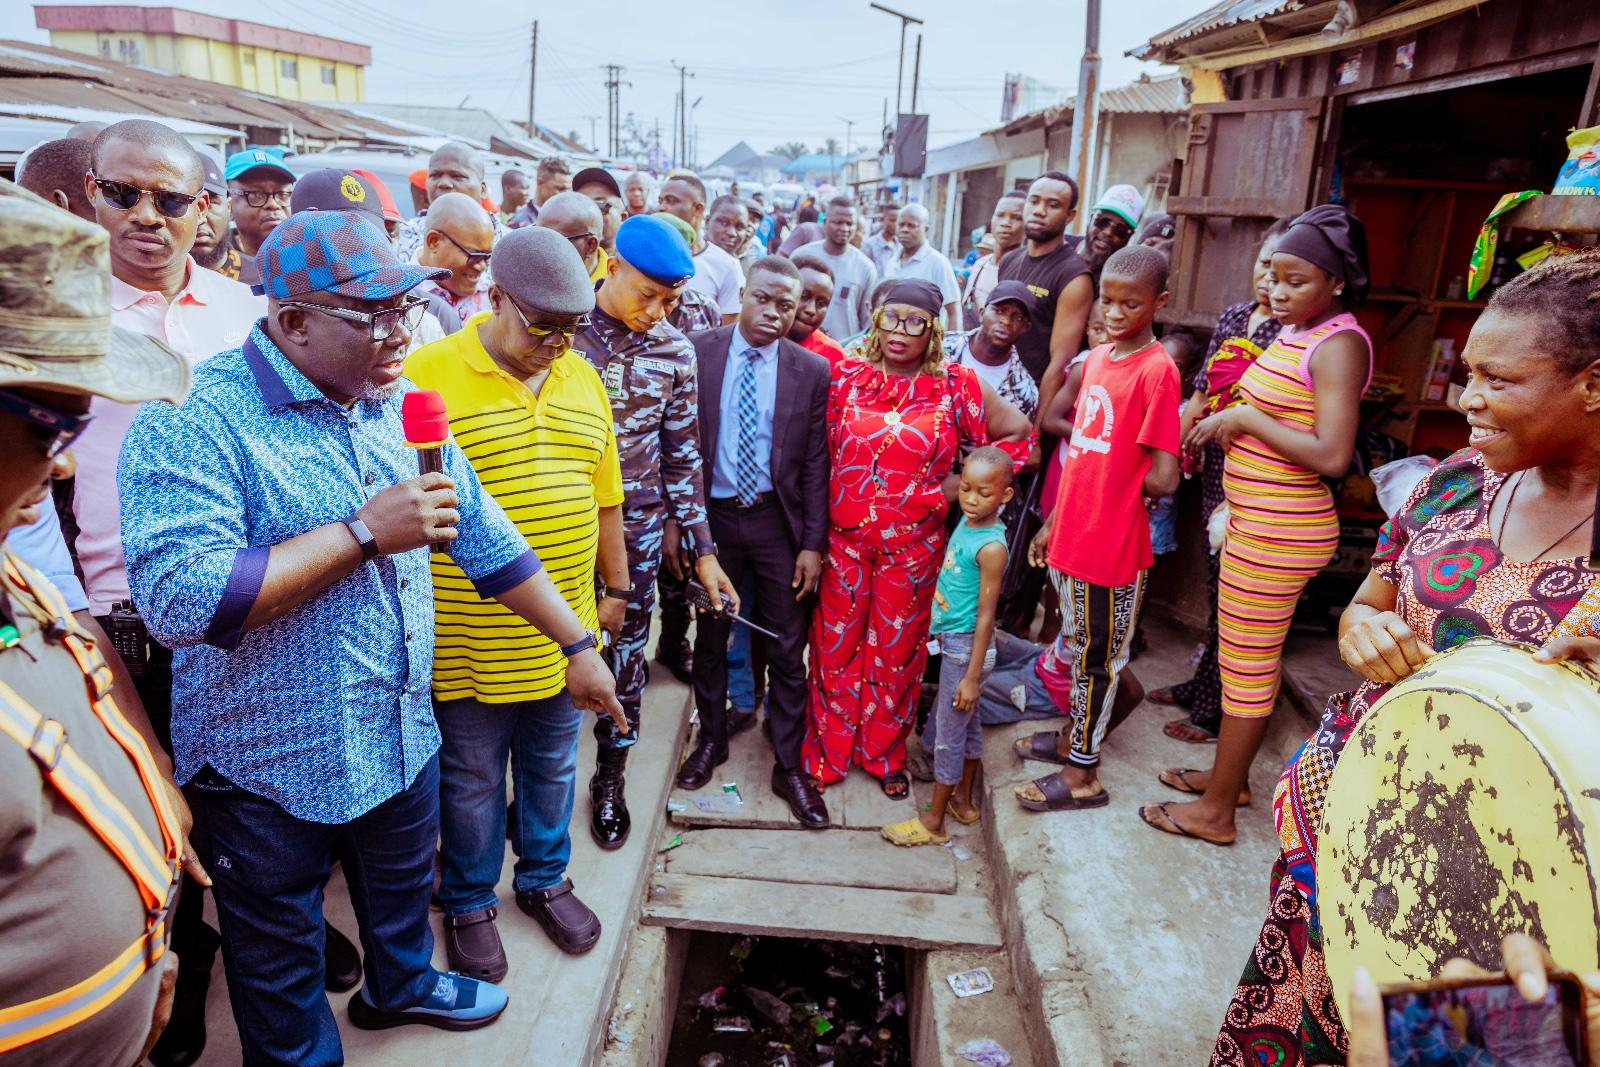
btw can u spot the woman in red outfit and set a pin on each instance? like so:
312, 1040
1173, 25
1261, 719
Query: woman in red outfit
896, 419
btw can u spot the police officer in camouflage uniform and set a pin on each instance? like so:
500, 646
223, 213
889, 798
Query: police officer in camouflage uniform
648, 369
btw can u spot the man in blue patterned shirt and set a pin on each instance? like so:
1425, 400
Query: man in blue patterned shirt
277, 539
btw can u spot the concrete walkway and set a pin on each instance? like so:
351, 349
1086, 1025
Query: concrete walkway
1126, 941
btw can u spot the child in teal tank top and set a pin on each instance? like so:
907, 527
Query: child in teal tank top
963, 626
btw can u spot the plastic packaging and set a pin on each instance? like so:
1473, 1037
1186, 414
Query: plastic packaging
1395, 481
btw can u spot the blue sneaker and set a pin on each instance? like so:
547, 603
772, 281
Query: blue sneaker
455, 1003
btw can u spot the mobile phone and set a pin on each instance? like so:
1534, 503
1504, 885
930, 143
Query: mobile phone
1486, 1020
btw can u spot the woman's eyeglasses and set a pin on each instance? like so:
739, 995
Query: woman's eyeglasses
125, 197
545, 332
55, 430
473, 258
381, 325
911, 325
260, 198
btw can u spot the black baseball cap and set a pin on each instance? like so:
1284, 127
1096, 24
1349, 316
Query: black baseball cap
332, 189
591, 175
1014, 290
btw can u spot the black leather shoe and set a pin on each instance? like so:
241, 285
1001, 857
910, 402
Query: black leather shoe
677, 657
473, 945
341, 962
698, 765
740, 721
566, 919
609, 822
184, 1040
804, 800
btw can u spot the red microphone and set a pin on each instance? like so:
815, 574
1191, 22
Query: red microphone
427, 428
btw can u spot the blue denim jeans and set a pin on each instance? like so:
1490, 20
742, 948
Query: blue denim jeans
741, 667
954, 736
268, 869
541, 737
1013, 691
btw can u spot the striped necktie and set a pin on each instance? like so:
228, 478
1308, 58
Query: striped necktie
745, 469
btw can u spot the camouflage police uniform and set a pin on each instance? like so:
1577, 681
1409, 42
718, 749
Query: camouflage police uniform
650, 378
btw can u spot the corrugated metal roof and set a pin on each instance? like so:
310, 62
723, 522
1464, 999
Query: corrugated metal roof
1147, 96
1219, 16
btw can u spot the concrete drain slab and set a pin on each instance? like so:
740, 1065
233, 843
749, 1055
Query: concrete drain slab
838, 857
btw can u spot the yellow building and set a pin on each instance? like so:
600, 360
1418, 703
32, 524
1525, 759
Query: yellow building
246, 55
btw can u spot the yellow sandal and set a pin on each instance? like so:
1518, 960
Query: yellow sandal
912, 832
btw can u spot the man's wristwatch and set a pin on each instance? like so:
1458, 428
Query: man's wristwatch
583, 644
363, 536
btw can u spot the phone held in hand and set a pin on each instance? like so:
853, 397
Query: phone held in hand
1486, 1020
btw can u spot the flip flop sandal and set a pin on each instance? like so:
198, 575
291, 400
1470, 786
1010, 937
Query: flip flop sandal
1040, 746
1058, 796
911, 832
1176, 828
1180, 782
1175, 727
1166, 696
895, 786
956, 815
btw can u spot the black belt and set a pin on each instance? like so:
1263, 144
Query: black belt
760, 500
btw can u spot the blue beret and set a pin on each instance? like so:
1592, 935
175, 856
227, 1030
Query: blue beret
656, 250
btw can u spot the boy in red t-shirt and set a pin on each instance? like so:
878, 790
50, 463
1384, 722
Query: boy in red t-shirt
1123, 451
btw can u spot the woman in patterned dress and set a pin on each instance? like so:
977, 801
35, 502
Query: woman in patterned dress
1492, 543
896, 418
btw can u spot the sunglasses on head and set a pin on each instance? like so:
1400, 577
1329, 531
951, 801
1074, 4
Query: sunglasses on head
125, 197
473, 258
54, 430
911, 325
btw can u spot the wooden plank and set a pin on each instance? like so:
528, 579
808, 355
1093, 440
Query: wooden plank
858, 803
833, 857
839, 913
750, 767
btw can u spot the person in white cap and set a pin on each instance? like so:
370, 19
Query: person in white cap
1112, 221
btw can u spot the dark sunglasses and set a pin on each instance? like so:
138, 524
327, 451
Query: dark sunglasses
545, 331
55, 430
910, 325
381, 325
1117, 227
473, 258
125, 197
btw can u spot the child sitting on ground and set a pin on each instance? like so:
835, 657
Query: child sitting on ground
963, 626
1123, 451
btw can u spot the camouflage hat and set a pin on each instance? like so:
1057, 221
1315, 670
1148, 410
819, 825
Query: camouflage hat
55, 311
335, 252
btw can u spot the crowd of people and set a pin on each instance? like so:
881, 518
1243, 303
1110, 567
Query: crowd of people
260, 643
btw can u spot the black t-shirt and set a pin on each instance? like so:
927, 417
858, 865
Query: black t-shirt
1046, 276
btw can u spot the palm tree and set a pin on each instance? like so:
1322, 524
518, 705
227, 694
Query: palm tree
792, 150
830, 147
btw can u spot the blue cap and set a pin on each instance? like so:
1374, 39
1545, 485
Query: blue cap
656, 250
335, 252
268, 158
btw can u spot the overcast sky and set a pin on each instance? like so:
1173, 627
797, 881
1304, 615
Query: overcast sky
764, 73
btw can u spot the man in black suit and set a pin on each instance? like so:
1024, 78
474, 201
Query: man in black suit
763, 440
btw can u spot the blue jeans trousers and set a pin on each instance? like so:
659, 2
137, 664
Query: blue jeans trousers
268, 869
541, 738
1013, 690
953, 736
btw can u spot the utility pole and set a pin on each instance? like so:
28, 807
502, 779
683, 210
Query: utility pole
916, 74
694, 135
683, 107
845, 169
900, 72
594, 142
614, 83
1086, 112
533, 74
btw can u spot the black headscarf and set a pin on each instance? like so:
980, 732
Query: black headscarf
1330, 237
924, 296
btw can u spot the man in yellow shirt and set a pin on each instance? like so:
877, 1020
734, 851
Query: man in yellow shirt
534, 420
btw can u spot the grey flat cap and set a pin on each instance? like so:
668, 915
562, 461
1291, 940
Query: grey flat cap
543, 270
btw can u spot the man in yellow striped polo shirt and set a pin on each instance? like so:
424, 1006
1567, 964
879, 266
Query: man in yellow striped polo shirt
534, 420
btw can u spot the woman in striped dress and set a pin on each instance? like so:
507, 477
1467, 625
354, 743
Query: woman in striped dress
1296, 425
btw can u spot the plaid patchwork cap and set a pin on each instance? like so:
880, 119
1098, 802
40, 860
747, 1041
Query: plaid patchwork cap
342, 252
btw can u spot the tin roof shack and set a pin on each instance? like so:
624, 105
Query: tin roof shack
1419, 115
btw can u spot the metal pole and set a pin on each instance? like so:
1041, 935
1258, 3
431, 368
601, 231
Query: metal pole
1086, 112
916, 74
533, 74
900, 72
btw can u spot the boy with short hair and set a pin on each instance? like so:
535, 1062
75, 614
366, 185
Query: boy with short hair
963, 626
1123, 451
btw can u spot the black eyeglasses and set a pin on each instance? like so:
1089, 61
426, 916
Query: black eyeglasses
584, 236
473, 258
544, 332
55, 430
1117, 227
259, 198
125, 197
911, 325
380, 324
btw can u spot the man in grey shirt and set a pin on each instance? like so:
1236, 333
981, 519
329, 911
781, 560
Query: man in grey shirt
853, 273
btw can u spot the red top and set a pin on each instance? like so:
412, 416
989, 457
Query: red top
1126, 407
824, 346
892, 439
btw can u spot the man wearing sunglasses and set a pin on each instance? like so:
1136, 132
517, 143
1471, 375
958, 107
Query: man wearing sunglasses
458, 237
279, 537
534, 419
1112, 221
577, 218
454, 167
69, 903
259, 189
598, 185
